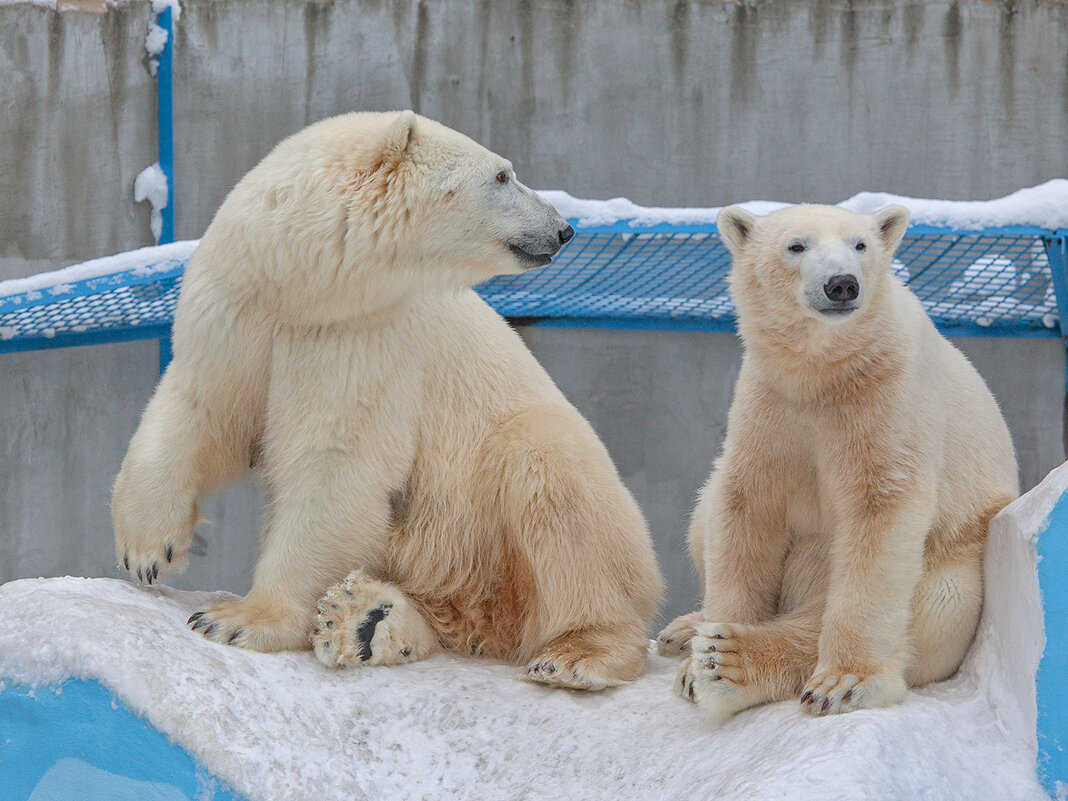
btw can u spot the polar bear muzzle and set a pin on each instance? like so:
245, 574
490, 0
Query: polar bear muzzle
531, 253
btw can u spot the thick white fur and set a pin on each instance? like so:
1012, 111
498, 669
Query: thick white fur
841, 534
324, 337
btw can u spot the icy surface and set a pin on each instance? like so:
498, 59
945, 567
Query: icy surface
1044, 206
151, 185
143, 259
282, 726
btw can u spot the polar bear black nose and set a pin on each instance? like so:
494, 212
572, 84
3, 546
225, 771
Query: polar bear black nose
842, 288
566, 234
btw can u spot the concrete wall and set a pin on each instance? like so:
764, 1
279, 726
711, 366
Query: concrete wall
678, 103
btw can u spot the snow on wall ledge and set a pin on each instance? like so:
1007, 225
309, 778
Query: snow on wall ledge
282, 726
1042, 206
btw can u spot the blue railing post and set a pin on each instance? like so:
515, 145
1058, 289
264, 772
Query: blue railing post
165, 124
1052, 684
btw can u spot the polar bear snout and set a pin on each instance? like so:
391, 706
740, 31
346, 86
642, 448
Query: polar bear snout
834, 290
842, 288
534, 252
841, 294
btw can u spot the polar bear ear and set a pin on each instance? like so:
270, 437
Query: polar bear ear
736, 226
891, 223
399, 138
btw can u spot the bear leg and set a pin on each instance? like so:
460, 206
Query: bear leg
180, 450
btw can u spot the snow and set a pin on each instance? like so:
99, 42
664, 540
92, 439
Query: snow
1043, 206
282, 726
151, 185
159, 6
156, 38
146, 261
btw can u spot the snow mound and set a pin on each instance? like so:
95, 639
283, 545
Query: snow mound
282, 726
1042, 206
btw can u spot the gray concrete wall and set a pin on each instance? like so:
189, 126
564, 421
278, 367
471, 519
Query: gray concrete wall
697, 102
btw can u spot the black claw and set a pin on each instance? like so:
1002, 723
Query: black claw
155, 570
139, 576
406, 651
126, 561
200, 624
365, 632
193, 618
170, 552
690, 692
330, 624
806, 697
826, 705
847, 696
210, 629
234, 636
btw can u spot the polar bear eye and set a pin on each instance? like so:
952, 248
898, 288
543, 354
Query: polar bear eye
502, 177
861, 247
796, 247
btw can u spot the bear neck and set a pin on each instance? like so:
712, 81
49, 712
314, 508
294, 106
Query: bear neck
813, 362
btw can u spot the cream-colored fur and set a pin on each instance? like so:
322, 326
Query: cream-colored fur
841, 534
325, 337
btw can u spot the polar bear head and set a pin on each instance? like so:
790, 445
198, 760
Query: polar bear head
359, 211
809, 269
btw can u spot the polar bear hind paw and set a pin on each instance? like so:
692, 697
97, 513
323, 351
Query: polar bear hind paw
363, 621
832, 692
675, 638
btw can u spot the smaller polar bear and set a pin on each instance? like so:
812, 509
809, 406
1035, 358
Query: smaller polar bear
840, 537
326, 337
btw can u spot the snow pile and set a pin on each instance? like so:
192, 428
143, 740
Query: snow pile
282, 726
1043, 206
151, 185
143, 261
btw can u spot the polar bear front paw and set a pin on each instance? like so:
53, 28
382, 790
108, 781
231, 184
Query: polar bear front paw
150, 545
832, 692
362, 621
715, 677
254, 624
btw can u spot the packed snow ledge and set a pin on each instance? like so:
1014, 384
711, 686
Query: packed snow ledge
281, 726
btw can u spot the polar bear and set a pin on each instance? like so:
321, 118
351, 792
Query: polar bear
840, 537
326, 336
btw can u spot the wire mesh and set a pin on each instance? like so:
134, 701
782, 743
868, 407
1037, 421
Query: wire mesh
986, 282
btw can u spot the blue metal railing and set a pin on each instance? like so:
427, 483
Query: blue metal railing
1007, 282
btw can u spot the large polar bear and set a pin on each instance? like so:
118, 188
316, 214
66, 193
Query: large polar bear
841, 534
325, 337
